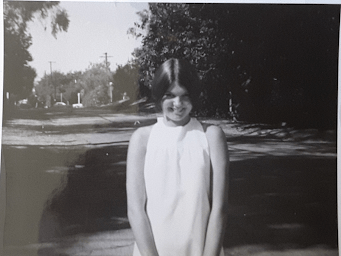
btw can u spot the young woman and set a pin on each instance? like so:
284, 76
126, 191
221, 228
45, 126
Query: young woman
177, 173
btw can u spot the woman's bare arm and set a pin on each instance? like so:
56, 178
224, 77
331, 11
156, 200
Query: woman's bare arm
220, 165
136, 193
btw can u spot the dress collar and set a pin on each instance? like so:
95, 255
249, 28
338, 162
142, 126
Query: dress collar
160, 120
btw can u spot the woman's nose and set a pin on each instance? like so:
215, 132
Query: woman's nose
177, 101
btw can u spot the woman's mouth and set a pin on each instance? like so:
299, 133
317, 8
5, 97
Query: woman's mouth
176, 110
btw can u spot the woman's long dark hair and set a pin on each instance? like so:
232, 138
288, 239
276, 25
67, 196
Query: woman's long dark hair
180, 71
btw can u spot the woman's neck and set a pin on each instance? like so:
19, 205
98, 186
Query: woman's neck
173, 123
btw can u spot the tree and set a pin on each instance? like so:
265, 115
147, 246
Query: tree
18, 75
292, 62
278, 62
125, 80
44, 88
191, 32
57, 83
95, 82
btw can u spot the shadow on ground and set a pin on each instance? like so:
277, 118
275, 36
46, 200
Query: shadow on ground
283, 200
282, 193
273, 200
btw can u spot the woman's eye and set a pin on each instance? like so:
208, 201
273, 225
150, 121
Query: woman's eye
168, 95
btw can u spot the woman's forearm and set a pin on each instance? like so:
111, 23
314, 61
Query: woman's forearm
215, 233
220, 168
136, 194
143, 234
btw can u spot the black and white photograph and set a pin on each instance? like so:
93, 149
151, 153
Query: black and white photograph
169, 128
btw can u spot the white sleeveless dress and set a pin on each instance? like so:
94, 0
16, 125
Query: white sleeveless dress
177, 179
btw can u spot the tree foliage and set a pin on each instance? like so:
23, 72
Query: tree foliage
95, 82
93, 85
279, 62
18, 75
52, 85
192, 32
125, 80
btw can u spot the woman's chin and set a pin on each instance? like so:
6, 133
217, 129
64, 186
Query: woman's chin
178, 119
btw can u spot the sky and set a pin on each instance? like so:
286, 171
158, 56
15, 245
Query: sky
95, 28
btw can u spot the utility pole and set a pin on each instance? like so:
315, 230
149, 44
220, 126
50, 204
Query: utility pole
55, 88
107, 67
106, 59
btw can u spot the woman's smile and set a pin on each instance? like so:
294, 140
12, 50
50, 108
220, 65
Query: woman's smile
177, 110
176, 105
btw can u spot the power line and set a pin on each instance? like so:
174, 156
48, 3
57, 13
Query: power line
106, 59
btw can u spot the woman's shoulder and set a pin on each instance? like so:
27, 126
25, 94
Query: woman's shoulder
210, 128
216, 139
141, 135
213, 132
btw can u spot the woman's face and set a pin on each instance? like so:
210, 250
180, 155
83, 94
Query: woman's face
176, 105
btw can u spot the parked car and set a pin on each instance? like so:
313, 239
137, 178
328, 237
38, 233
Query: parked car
78, 105
58, 104
24, 104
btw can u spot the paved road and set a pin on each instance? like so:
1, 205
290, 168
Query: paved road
251, 149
